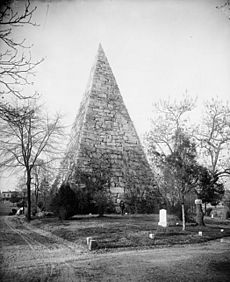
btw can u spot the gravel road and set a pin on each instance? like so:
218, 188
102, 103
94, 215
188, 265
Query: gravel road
32, 254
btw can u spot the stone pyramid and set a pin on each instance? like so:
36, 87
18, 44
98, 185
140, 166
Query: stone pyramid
104, 127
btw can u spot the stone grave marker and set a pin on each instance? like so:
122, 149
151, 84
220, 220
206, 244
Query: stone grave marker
163, 218
92, 245
88, 239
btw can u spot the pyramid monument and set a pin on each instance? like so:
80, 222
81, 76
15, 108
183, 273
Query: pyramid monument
103, 127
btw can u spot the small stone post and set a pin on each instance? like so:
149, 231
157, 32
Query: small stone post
199, 212
92, 245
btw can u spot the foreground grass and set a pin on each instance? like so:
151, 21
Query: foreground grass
115, 231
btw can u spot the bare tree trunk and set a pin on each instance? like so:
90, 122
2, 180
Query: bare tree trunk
28, 215
183, 213
199, 215
183, 217
36, 195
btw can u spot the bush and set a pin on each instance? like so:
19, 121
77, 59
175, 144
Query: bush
177, 211
13, 212
103, 203
228, 214
208, 211
15, 199
136, 204
226, 199
64, 203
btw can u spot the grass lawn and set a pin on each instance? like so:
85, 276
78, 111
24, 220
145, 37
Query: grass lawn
116, 231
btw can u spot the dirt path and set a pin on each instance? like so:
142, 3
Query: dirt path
31, 254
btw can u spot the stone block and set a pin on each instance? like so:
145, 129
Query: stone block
93, 245
88, 239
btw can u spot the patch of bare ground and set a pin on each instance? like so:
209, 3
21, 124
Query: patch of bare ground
26, 251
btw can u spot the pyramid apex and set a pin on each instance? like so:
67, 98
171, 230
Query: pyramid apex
100, 49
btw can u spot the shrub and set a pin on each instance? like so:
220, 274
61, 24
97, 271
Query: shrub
226, 199
208, 211
102, 202
228, 214
145, 204
177, 211
82, 201
64, 203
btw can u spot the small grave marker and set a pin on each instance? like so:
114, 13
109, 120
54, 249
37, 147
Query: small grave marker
151, 236
88, 239
92, 245
163, 218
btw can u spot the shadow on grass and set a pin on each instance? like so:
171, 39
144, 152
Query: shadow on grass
97, 217
223, 267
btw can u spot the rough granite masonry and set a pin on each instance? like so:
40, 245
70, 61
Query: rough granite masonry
102, 128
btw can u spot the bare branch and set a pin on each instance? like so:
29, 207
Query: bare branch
16, 64
214, 134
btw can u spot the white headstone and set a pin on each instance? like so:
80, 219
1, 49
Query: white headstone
163, 218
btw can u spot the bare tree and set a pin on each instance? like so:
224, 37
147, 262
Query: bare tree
170, 128
16, 64
38, 174
27, 134
214, 137
225, 8
170, 116
42, 176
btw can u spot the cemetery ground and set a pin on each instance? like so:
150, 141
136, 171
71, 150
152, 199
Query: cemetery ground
50, 250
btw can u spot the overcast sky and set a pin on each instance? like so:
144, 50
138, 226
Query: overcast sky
156, 49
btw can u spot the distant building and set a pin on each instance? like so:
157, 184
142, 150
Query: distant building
7, 195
